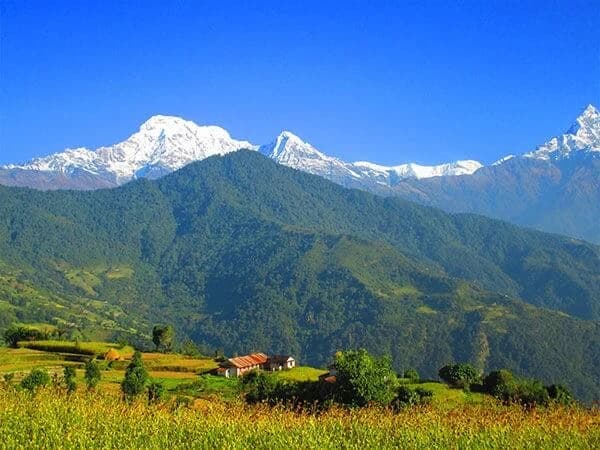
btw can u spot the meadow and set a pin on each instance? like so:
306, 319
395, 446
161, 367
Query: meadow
51, 419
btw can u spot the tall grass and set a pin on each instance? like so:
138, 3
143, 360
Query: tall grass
50, 419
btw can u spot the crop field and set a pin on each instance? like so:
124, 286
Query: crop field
52, 419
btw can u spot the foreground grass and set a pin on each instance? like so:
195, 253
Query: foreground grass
52, 420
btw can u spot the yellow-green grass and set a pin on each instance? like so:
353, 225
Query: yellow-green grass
300, 373
51, 419
80, 348
447, 398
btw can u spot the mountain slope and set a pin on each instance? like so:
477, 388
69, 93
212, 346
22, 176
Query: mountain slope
553, 188
244, 254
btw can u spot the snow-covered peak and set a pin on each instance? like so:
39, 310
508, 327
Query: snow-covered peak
289, 150
162, 144
584, 135
412, 170
503, 160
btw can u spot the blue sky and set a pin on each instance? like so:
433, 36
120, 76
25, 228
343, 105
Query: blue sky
389, 81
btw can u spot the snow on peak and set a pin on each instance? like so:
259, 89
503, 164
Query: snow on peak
503, 160
162, 144
289, 150
583, 135
390, 174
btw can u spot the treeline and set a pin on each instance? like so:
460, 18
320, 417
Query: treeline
361, 379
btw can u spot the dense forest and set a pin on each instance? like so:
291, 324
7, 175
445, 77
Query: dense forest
243, 254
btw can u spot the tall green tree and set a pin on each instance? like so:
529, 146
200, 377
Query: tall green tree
162, 336
92, 373
136, 377
69, 378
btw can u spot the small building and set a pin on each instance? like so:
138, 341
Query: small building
281, 362
236, 367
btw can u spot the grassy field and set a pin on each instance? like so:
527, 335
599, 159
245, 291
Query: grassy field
170, 369
51, 419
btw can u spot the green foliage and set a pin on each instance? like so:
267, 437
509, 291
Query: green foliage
35, 379
8, 377
498, 382
243, 254
69, 375
559, 393
363, 378
162, 336
23, 332
259, 387
461, 375
412, 375
407, 396
156, 392
136, 377
92, 373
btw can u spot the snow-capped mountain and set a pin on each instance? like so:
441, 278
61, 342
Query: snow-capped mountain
289, 150
583, 136
166, 143
162, 144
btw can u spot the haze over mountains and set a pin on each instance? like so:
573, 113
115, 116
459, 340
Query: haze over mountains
555, 187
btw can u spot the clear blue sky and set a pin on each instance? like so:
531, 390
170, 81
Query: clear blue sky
387, 81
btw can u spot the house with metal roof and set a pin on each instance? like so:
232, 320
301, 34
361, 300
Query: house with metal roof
238, 366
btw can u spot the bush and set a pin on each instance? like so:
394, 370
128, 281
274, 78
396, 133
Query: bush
259, 387
529, 393
498, 382
412, 375
8, 377
362, 379
136, 377
558, 393
69, 378
410, 397
156, 392
459, 375
92, 374
37, 378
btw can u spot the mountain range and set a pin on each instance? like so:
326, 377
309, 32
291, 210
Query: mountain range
555, 187
243, 254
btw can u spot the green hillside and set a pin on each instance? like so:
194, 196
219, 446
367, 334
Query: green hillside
243, 254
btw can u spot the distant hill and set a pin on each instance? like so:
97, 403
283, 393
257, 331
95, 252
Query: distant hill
241, 254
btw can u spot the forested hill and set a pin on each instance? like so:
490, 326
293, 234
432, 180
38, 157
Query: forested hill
242, 254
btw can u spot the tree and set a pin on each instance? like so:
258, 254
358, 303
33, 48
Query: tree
412, 375
498, 382
362, 378
36, 379
92, 374
69, 378
459, 375
136, 377
162, 336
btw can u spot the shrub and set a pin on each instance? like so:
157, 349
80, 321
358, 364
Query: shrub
498, 382
362, 378
412, 375
459, 375
156, 392
69, 378
558, 393
136, 377
92, 374
35, 379
529, 393
410, 397
8, 377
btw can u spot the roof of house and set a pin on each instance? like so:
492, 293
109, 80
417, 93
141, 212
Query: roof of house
255, 359
279, 359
